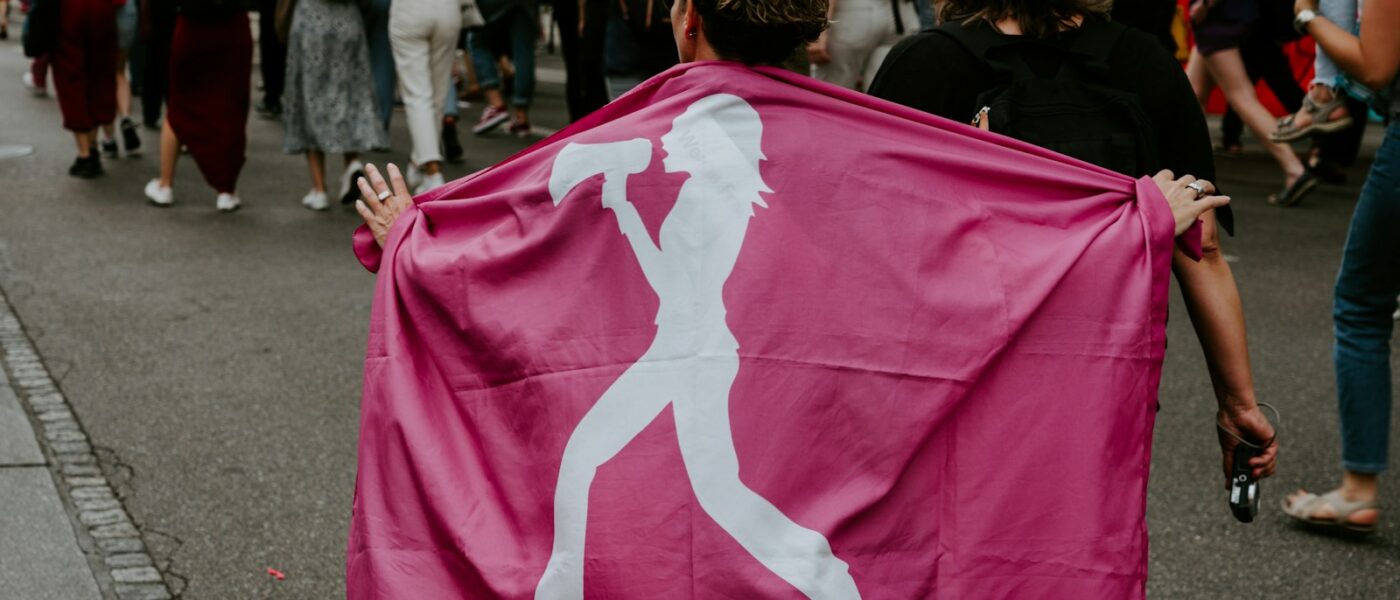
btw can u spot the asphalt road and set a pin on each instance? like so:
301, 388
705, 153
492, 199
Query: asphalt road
215, 359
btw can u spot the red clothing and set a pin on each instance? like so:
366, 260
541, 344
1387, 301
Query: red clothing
211, 64
85, 64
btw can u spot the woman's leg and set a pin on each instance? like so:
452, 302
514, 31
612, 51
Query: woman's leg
1227, 68
523, 33
123, 86
1201, 80
1362, 305
169, 154
316, 163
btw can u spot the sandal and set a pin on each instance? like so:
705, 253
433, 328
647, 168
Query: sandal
1322, 121
1302, 513
1293, 194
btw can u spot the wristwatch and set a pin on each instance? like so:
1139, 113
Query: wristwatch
1301, 21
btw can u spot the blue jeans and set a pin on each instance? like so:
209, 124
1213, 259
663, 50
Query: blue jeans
1363, 303
518, 26
381, 60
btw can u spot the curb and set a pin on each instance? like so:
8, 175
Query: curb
105, 529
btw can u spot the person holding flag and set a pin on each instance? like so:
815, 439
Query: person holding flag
768, 376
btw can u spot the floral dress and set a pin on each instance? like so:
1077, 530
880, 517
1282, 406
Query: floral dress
328, 104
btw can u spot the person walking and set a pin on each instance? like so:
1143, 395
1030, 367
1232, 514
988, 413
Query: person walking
1367, 285
272, 61
1221, 27
128, 30
516, 23
326, 108
381, 60
84, 64
157, 32
861, 34
423, 35
211, 68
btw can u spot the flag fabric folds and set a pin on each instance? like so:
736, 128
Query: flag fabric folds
741, 334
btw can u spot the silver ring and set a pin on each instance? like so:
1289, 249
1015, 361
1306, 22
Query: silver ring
385, 194
1195, 185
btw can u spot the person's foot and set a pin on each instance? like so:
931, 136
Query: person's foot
1296, 187
413, 177
36, 88
151, 125
109, 147
227, 203
520, 129
1358, 511
315, 200
269, 110
353, 172
87, 167
159, 195
429, 183
451, 146
491, 118
4, 30
130, 139
1324, 111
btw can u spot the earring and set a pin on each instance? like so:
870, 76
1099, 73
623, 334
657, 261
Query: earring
690, 34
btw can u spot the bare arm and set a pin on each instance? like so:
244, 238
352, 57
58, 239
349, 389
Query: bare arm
1213, 303
1373, 58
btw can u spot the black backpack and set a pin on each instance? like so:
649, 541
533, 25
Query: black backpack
1076, 112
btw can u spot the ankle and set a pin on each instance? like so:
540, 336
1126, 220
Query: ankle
1360, 486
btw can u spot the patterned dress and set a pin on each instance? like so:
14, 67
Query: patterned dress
329, 102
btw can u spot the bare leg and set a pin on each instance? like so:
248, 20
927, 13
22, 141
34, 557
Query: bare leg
431, 168
624, 411
316, 163
1201, 80
123, 89
800, 556
169, 154
84, 141
1227, 67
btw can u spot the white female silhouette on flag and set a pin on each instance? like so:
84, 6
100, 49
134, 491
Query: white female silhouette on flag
693, 361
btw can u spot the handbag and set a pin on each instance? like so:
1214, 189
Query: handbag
471, 15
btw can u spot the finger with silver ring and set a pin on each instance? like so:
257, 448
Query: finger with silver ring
368, 196
1200, 189
377, 180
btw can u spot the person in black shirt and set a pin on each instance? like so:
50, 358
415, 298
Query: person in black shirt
935, 73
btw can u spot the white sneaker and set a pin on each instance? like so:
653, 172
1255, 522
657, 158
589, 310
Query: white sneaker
429, 182
315, 200
414, 177
33, 89
348, 190
159, 196
227, 203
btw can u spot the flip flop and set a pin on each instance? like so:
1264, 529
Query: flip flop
1293, 194
1302, 511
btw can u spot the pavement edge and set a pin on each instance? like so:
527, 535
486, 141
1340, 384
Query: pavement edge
106, 532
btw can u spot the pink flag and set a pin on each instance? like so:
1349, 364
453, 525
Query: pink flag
741, 334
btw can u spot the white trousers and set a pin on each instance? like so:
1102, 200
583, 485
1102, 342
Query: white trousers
862, 33
423, 35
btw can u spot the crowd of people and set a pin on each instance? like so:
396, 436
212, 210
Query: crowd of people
191, 62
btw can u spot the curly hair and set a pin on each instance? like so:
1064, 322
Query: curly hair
763, 32
1037, 18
